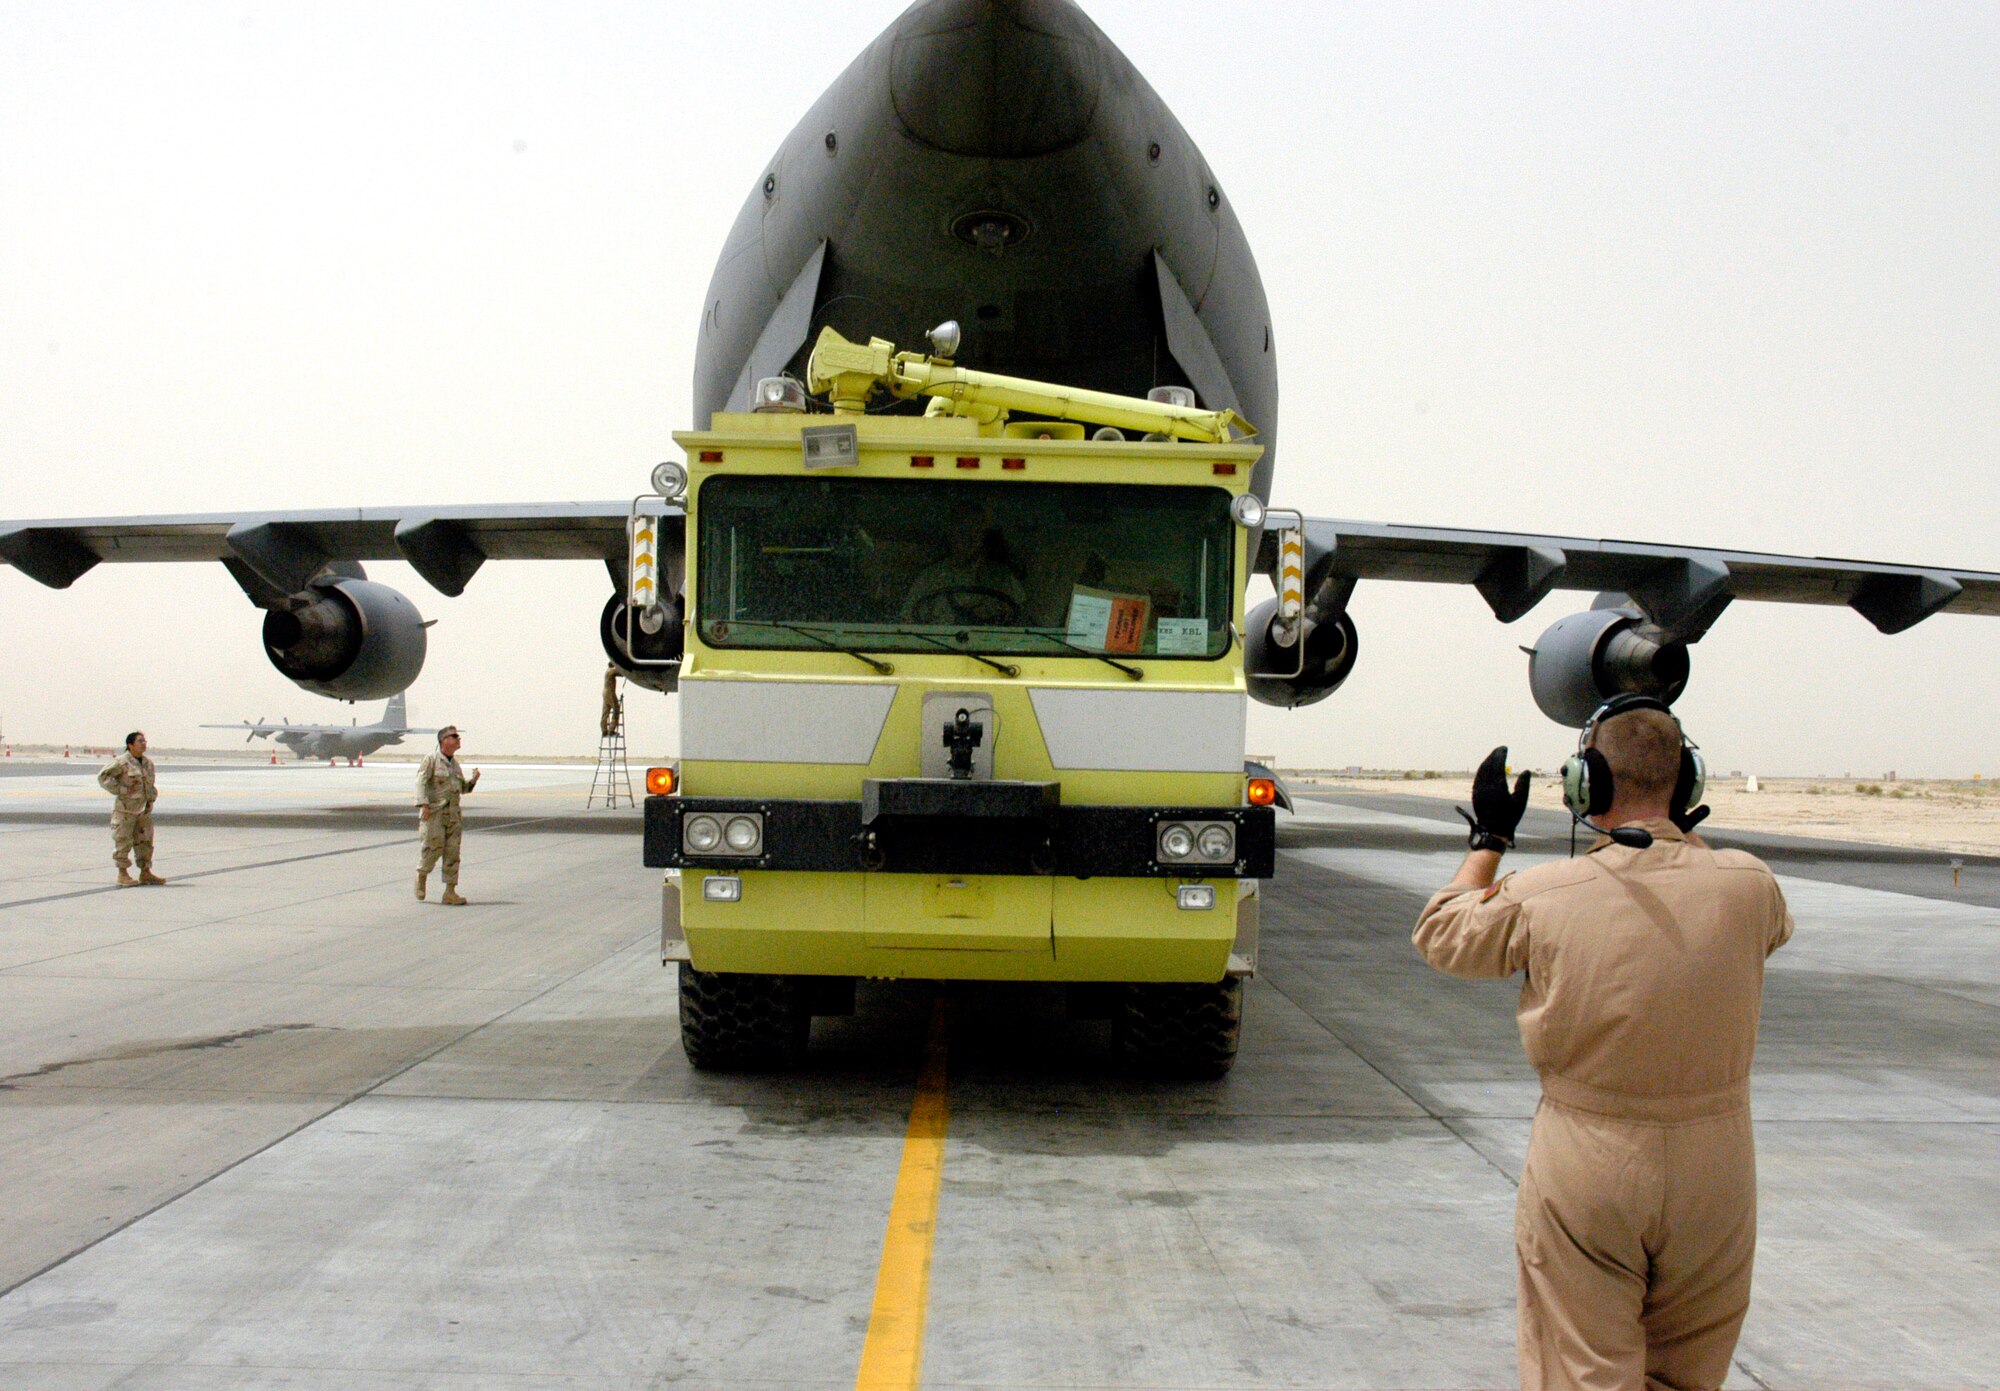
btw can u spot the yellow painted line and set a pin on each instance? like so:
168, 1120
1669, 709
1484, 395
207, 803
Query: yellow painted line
892, 1356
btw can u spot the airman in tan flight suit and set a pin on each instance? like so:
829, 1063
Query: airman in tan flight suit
613, 707
1636, 1220
130, 778
440, 784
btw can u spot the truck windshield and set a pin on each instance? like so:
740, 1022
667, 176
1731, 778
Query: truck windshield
892, 566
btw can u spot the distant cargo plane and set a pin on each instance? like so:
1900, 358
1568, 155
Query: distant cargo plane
352, 742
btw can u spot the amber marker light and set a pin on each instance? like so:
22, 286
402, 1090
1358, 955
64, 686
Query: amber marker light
1263, 792
660, 782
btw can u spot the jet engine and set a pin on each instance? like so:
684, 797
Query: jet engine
1585, 659
349, 639
664, 646
1330, 649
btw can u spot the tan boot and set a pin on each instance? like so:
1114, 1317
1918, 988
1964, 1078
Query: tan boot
421, 877
146, 875
451, 896
126, 881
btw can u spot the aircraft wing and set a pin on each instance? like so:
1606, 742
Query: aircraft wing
279, 552
1680, 588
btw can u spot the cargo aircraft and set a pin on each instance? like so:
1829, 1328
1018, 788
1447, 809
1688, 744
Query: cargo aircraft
999, 163
352, 742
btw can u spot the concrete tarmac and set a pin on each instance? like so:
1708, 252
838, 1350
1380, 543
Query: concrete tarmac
278, 1124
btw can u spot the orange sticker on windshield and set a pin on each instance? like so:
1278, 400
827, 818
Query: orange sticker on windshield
1108, 621
1128, 625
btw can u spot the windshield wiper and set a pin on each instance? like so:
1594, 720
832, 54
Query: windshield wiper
1004, 668
881, 667
1131, 671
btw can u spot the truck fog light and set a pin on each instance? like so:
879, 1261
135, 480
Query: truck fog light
1195, 898
701, 834
1176, 841
727, 888
743, 834
1218, 843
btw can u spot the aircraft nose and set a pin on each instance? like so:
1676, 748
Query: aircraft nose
996, 79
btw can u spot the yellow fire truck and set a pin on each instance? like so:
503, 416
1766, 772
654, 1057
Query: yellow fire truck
962, 698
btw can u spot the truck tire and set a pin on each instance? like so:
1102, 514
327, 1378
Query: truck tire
732, 1022
1180, 1030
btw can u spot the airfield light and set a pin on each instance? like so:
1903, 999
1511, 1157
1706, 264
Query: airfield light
701, 834
661, 782
1262, 792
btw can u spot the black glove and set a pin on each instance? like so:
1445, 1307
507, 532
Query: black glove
1496, 812
1689, 819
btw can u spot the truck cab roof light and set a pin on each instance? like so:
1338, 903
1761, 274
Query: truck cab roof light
661, 782
1262, 792
778, 396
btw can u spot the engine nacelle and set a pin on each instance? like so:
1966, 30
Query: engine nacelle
1330, 650
1587, 658
663, 646
349, 639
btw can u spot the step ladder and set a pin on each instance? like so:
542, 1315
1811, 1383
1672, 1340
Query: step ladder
614, 775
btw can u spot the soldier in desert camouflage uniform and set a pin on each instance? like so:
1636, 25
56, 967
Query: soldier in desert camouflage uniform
440, 784
130, 778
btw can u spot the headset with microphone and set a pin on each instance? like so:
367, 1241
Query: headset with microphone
1587, 783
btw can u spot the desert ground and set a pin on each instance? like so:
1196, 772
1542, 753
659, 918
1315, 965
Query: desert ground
1916, 814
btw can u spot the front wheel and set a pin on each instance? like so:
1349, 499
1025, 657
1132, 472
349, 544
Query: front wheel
732, 1022
1180, 1030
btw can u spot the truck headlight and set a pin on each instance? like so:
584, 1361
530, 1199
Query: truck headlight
1217, 843
1176, 841
743, 835
701, 834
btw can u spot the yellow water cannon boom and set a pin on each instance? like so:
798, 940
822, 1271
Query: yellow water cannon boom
849, 373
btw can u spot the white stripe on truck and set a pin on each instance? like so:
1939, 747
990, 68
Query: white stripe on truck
768, 721
1142, 731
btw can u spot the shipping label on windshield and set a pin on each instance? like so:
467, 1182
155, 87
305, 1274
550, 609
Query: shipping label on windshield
1107, 621
1182, 637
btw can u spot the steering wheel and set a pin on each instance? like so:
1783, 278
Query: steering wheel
969, 603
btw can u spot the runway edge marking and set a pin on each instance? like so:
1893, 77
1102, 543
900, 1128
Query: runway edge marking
892, 1355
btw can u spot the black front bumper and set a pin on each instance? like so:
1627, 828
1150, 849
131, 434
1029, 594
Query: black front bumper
911, 829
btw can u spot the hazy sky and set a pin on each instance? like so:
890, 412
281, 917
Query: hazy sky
1724, 275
